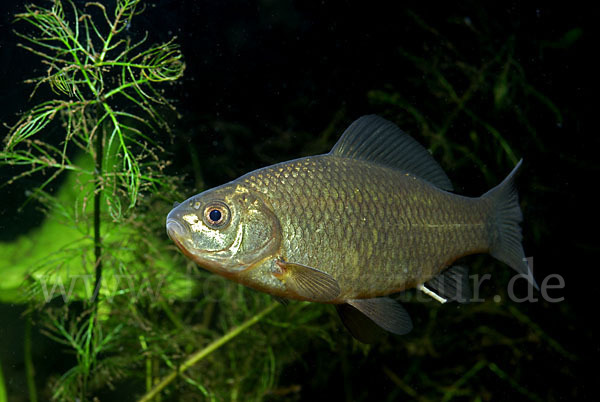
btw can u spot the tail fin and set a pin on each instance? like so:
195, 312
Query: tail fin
507, 216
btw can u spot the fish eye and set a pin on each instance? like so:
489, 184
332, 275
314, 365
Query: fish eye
216, 215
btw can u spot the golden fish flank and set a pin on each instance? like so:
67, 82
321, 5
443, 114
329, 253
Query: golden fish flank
374, 216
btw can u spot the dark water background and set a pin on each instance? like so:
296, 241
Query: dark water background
265, 78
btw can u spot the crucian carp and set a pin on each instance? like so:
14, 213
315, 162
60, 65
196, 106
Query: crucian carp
374, 216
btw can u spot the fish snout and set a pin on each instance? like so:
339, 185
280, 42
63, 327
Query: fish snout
175, 230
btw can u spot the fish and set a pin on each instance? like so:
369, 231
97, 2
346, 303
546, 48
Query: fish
375, 216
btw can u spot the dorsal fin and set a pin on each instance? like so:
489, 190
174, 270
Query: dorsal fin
375, 139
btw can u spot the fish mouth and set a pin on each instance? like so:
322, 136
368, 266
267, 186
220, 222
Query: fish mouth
213, 260
175, 230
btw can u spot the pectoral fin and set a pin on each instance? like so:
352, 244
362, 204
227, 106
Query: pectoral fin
308, 283
364, 317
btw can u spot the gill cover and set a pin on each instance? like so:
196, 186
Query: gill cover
226, 230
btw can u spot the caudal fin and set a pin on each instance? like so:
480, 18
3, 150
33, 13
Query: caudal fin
507, 215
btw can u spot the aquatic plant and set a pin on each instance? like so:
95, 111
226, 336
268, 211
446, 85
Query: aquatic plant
100, 128
2, 386
101, 278
473, 95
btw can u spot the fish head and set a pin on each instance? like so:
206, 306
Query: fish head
226, 230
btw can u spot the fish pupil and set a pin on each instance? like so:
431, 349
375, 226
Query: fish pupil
214, 215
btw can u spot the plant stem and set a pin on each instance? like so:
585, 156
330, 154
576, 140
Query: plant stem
97, 199
29, 370
3, 397
201, 354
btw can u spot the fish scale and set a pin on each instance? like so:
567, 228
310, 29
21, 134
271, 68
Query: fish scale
397, 221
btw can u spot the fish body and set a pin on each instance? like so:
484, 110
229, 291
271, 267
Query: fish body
376, 230
372, 217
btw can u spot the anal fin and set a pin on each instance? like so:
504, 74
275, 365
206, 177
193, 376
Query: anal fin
451, 285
